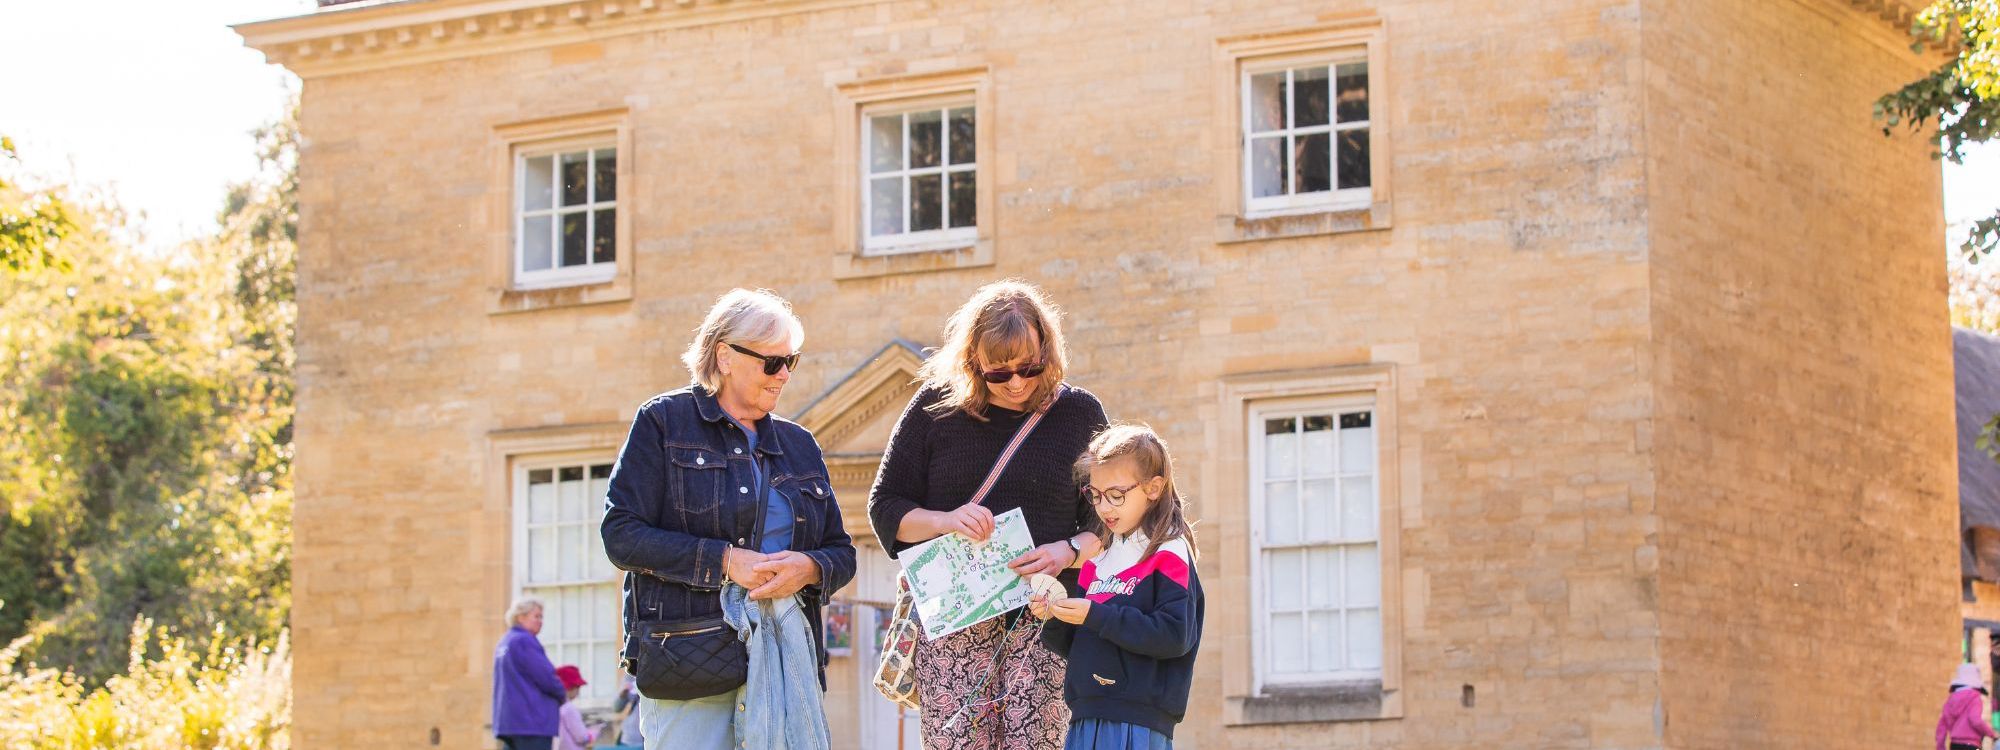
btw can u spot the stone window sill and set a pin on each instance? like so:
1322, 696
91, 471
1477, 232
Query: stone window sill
1237, 229
618, 289
848, 265
1350, 701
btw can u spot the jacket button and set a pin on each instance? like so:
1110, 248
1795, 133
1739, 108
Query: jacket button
698, 460
743, 490
739, 451
741, 540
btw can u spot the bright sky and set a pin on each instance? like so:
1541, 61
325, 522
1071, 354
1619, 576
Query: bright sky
153, 101
156, 103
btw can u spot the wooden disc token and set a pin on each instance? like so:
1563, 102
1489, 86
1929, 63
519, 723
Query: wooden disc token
1046, 585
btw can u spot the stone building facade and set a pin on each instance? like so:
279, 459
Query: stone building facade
1544, 373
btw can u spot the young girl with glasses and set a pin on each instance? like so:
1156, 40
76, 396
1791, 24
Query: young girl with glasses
1131, 637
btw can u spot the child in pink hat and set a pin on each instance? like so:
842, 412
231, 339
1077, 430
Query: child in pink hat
573, 734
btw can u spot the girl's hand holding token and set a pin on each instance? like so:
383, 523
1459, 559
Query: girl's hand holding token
1071, 611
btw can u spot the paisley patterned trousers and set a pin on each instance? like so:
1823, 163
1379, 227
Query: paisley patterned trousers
1029, 713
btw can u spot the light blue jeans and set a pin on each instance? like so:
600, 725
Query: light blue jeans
699, 724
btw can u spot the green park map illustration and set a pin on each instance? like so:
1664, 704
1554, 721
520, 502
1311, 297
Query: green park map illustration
959, 583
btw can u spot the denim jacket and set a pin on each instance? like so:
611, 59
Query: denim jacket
680, 496
781, 705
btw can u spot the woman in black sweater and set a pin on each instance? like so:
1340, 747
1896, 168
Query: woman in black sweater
1002, 359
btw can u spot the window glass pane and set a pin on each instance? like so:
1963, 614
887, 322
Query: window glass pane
576, 622
1313, 164
1357, 508
600, 485
604, 242
1281, 453
1352, 84
606, 176
574, 547
1354, 168
1364, 639
1316, 444
885, 206
926, 139
575, 178
1309, 97
536, 235
541, 501
570, 493
538, 184
1281, 512
1285, 579
926, 201
1324, 641
1324, 566
606, 607
1363, 569
1287, 643
541, 555
575, 240
885, 143
1357, 449
964, 199
600, 566
571, 553
1267, 102
1268, 172
963, 138
1322, 510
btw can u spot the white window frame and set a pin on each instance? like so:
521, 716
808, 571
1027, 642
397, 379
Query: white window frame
520, 523
592, 272
1336, 199
1259, 411
946, 236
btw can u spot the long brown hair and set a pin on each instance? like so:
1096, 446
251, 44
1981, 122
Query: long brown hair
1000, 321
1166, 519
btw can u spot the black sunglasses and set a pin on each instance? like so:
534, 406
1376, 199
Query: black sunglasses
1029, 372
772, 363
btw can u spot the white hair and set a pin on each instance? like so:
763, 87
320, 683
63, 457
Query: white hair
521, 606
740, 317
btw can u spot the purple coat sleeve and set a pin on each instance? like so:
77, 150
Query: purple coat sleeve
533, 663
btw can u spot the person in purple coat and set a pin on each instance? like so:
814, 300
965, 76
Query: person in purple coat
526, 691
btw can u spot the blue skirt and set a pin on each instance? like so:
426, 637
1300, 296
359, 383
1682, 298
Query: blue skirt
1098, 734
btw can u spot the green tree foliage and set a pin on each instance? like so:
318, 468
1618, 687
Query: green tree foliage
1962, 96
146, 400
32, 224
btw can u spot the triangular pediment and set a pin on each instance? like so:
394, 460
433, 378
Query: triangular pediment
853, 419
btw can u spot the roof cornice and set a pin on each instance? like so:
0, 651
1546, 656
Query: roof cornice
340, 40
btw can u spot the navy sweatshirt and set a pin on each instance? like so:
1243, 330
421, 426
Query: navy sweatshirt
1132, 660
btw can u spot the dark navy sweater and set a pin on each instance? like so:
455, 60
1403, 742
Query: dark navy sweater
1132, 660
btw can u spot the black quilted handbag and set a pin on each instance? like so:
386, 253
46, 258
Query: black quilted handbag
682, 660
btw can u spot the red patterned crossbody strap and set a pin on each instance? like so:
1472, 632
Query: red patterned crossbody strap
1020, 437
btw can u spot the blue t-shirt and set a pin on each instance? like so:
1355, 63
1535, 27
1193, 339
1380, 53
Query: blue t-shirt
777, 512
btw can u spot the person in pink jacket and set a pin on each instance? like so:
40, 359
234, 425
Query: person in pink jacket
571, 734
1963, 723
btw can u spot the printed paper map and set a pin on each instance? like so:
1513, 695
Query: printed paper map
959, 583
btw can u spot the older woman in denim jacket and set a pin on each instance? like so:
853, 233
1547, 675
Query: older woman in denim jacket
711, 487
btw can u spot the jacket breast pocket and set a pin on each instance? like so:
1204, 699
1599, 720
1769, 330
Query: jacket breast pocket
812, 508
699, 477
